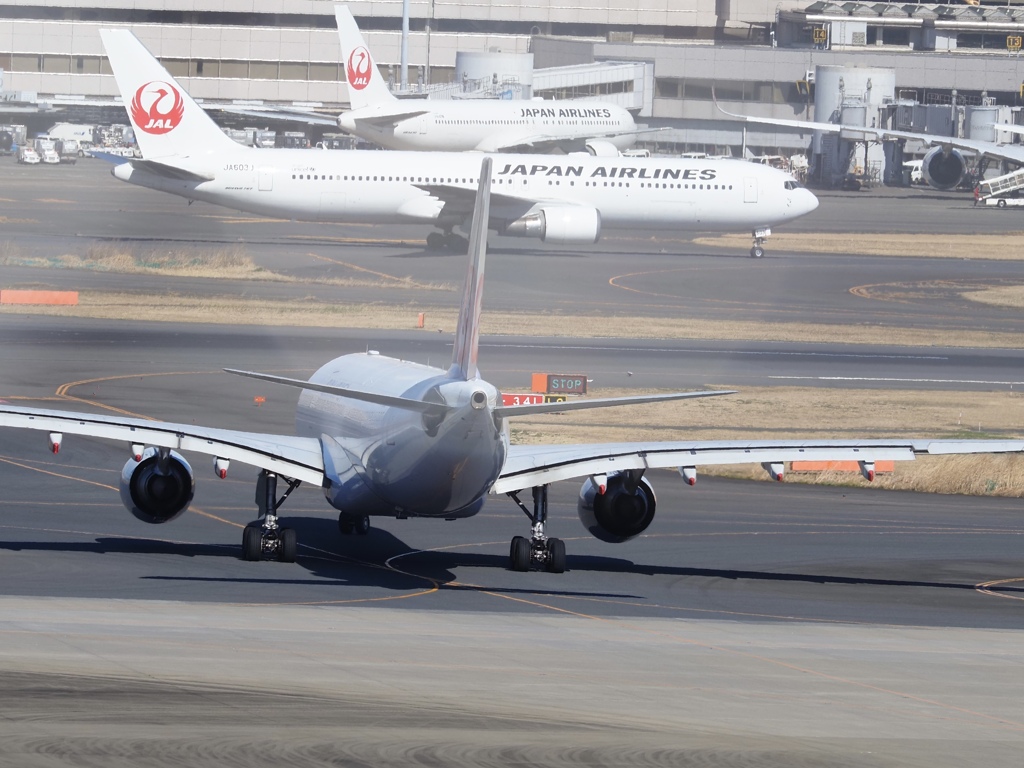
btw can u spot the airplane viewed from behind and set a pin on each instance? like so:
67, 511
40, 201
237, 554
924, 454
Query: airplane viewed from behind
567, 200
483, 125
386, 437
942, 167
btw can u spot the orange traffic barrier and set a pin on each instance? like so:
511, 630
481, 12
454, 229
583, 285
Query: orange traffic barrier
39, 297
838, 466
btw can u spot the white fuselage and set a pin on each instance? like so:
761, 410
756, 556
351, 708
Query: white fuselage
384, 460
652, 194
488, 125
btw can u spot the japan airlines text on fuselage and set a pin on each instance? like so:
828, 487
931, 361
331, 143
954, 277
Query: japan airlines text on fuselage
628, 193
457, 126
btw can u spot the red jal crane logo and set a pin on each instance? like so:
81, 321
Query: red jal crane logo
157, 107
358, 69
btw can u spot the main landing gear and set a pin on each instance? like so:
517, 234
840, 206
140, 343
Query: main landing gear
760, 235
447, 241
539, 549
349, 524
264, 538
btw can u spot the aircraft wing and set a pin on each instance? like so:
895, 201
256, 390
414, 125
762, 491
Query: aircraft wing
459, 200
530, 465
294, 116
300, 458
1011, 152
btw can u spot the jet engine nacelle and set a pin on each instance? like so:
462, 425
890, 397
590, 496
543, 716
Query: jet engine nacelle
600, 148
157, 490
618, 514
943, 169
559, 224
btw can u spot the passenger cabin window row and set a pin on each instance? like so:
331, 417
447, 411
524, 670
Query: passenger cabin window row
551, 182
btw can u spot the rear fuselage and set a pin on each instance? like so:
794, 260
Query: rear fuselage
392, 461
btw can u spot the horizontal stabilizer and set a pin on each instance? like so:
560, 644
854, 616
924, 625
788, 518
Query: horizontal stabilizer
391, 117
508, 411
368, 397
171, 171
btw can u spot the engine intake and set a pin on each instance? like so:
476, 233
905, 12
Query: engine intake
619, 514
560, 224
600, 148
942, 169
157, 490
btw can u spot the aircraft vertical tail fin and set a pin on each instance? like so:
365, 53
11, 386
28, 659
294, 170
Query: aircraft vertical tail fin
366, 85
467, 334
166, 120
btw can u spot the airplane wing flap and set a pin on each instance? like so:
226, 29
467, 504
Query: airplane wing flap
528, 466
300, 458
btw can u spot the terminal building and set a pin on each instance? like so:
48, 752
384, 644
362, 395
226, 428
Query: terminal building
666, 60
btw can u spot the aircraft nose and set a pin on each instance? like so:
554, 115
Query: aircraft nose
806, 201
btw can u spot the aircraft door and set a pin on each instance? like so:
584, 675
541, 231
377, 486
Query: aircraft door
750, 189
266, 179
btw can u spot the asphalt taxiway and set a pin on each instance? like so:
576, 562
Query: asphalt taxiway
754, 624
81, 209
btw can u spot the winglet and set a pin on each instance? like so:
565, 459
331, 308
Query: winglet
366, 85
467, 335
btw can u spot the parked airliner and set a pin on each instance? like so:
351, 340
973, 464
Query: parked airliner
943, 166
568, 199
483, 125
385, 437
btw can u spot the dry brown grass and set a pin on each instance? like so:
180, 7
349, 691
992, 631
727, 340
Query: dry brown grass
225, 263
1002, 246
231, 309
1011, 296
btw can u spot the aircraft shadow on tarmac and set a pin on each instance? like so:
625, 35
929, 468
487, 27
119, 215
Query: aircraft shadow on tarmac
333, 559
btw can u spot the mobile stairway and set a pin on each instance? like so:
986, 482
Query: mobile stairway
1001, 186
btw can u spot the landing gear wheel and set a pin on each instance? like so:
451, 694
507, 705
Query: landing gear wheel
286, 545
362, 525
519, 554
456, 243
252, 542
345, 524
757, 252
556, 556
436, 241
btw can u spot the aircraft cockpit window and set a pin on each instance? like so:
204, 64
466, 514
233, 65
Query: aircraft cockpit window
793, 184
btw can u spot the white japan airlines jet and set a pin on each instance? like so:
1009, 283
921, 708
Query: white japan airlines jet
565, 199
386, 437
943, 167
483, 125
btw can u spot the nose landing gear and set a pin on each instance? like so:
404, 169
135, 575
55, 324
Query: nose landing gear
760, 235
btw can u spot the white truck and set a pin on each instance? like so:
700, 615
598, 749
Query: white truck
68, 150
47, 150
